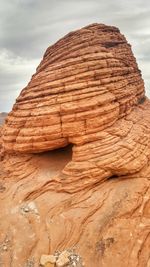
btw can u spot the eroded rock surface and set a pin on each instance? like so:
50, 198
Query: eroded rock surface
91, 194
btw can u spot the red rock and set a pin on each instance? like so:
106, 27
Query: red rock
85, 83
88, 92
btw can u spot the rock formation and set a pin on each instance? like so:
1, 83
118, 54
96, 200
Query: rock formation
75, 167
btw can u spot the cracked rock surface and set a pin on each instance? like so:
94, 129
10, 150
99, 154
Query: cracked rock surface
75, 157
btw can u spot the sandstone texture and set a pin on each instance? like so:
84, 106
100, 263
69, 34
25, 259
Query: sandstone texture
75, 158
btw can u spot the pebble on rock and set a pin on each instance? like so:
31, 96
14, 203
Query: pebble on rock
63, 259
45, 259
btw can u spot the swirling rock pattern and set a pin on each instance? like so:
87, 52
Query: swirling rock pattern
86, 103
107, 223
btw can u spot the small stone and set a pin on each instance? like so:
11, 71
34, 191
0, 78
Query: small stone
26, 209
56, 254
5, 248
52, 258
32, 207
63, 259
47, 259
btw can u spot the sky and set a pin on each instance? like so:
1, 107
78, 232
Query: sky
28, 27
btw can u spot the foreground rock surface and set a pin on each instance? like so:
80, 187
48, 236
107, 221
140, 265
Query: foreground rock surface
91, 196
108, 223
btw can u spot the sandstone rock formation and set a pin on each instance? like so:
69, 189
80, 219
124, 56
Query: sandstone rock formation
75, 171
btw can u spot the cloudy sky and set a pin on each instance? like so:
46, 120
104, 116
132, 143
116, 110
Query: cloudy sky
28, 27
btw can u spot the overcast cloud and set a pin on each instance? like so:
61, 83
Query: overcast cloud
28, 27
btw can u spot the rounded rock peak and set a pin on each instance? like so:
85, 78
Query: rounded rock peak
85, 83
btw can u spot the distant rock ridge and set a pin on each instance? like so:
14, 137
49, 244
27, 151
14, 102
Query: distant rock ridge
75, 171
2, 117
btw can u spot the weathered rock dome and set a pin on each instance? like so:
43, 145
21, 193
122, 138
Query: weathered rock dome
88, 92
85, 83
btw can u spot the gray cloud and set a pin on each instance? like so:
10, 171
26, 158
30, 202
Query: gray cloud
28, 27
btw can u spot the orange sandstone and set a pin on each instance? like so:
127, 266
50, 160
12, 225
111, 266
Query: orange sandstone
93, 196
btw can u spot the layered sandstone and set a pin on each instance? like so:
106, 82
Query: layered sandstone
86, 87
85, 83
108, 223
86, 112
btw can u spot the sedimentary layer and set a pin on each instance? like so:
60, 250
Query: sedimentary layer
108, 223
75, 157
86, 82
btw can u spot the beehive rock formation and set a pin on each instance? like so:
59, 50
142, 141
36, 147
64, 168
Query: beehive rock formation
86, 82
94, 196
